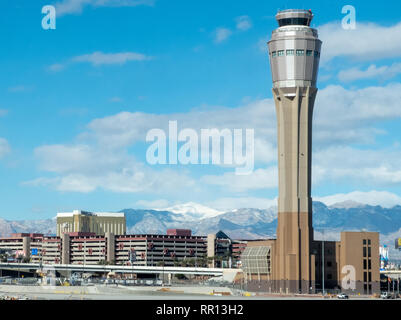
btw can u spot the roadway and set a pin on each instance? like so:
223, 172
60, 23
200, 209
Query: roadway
32, 267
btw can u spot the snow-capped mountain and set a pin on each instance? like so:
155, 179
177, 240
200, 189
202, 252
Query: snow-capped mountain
348, 204
192, 211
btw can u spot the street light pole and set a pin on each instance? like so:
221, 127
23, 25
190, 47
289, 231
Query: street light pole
323, 263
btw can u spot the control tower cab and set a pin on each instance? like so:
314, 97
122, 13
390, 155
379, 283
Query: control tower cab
294, 50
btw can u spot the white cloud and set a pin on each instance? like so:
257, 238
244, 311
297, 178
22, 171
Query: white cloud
56, 67
258, 179
153, 204
383, 72
222, 34
100, 58
19, 88
358, 43
84, 168
378, 167
4, 147
227, 204
342, 119
373, 198
116, 99
243, 23
65, 7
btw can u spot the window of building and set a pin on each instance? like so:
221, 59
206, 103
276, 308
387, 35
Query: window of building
290, 52
365, 276
370, 276
280, 53
364, 252
364, 264
300, 52
329, 263
293, 21
274, 53
364, 241
317, 54
369, 241
370, 264
309, 52
369, 251
329, 276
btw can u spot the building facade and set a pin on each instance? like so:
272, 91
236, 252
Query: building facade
176, 248
84, 221
350, 265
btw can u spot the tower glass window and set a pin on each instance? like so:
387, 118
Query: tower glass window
280, 53
274, 53
309, 53
290, 52
293, 22
317, 54
300, 52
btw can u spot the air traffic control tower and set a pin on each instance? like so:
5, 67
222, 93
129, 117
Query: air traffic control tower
294, 51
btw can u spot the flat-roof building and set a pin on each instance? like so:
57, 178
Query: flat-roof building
97, 222
177, 248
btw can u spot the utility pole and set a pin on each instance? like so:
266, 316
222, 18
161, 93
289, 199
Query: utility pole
323, 263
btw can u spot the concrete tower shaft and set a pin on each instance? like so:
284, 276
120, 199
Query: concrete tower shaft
294, 52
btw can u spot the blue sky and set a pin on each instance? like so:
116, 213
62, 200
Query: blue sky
77, 102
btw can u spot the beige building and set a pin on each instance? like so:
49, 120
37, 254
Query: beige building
351, 265
83, 221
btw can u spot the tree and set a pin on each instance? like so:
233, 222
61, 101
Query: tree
191, 262
181, 276
26, 260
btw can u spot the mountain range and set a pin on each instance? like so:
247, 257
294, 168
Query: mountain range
245, 223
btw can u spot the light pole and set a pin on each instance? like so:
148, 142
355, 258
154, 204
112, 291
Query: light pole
323, 263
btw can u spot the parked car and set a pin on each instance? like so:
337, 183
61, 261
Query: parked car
385, 295
342, 296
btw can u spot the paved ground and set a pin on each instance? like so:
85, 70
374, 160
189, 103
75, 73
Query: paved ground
139, 293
